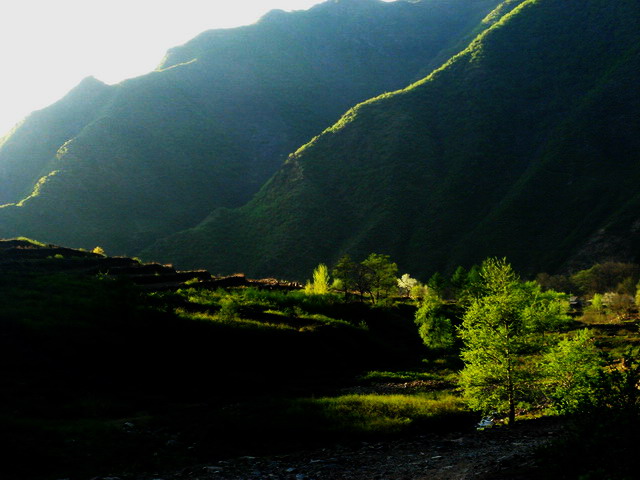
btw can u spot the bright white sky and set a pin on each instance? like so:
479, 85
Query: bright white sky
48, 46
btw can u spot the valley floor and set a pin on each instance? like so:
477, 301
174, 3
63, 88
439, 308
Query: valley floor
496, 453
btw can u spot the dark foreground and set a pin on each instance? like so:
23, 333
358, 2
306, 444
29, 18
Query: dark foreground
497, 453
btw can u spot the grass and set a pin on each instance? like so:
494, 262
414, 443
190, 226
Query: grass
381, 414
401, 376
249, 307
230, 321
30, 240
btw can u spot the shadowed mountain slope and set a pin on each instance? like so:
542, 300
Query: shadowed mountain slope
127, 164
524, 145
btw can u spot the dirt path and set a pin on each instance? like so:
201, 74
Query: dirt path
498, 453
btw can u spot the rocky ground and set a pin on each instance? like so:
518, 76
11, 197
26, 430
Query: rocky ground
495, 453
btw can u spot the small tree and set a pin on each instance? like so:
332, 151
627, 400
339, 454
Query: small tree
458, 281
321, 281
379, 275
596, 303
406, 284
574, 374
437, 283
352, 276
434, 327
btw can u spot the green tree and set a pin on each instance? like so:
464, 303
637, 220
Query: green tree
350, 276
434, 327
437, 283
596, 303
606, 277
374, 277
458, 281
574, 375
380, 276
321, 281
501, 329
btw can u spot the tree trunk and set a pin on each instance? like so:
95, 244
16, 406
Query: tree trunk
512, 408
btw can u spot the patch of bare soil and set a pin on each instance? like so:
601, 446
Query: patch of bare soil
497, 453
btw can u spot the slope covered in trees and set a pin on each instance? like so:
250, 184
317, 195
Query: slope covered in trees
524, 145
126, 164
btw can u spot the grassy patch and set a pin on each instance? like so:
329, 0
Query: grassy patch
397, 377
381, 414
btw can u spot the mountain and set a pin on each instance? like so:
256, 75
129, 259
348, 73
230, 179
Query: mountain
124, 165
525, 145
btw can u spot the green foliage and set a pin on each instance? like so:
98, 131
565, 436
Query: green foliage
382, 413
501, 329
435, 329
380, 276
607, 277
437, 283
321, 281
574, 374
229, 308
419, 292
375, 276
597, 304
31, 241
458, 281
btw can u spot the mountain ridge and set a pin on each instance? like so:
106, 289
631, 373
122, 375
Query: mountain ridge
470, 135
167, 148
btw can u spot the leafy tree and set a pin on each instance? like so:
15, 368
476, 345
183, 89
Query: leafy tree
375, 276
406, 284
606, 277
596, 303
380, 276
437, 283
344, 272
471, 287
501, 330
419, 292
574, 374
434, 327
458, 281
352, 276
321, 281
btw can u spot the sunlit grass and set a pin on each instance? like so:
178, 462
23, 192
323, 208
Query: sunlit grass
230, 321
382, 413
30, 240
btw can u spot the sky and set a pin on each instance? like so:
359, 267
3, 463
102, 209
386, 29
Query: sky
48, 46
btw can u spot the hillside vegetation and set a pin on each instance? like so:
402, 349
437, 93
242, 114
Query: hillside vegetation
524, 145
126, 164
